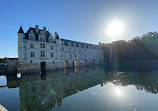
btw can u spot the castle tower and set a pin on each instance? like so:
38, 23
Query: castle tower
21, 45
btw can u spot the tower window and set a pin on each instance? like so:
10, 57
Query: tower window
75, 55
32, 54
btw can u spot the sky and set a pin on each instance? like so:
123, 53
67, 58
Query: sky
78, 20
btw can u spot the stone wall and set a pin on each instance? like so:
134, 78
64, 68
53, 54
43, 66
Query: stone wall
11, 65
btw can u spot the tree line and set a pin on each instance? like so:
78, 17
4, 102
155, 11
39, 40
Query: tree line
138, 48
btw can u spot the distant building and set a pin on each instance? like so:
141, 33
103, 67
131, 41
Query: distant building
39, 48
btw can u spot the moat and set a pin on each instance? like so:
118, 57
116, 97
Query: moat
81, 89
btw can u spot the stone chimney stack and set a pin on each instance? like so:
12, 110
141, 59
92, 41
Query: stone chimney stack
36, 26
44, 28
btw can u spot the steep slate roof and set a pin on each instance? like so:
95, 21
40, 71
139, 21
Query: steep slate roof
57, 37
20, 30
82, 44
37, 34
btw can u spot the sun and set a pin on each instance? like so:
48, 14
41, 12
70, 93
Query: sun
118, 92
115, 28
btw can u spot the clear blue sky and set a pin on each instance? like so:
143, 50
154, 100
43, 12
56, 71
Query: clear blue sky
80, 20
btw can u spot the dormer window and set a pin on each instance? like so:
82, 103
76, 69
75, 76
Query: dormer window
31, 37
43, 40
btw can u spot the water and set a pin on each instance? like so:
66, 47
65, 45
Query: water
81, 89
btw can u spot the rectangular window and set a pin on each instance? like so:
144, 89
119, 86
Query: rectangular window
33, 89
51, 54
42, 54
32, 54
70, 55
42, 45
32, 46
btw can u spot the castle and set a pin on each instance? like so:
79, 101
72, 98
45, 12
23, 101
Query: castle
38, 49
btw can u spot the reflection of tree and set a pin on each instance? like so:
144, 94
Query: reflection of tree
46, 91
142, 81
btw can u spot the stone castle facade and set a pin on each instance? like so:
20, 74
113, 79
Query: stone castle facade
39, 48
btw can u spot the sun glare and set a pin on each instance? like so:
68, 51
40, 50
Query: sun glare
118, 92
115, 28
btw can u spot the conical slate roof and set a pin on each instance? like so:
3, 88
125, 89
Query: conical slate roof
20, 30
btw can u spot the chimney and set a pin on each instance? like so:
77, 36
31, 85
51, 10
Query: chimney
36, 26
44, 28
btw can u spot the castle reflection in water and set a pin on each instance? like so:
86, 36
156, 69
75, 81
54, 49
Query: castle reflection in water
44, 92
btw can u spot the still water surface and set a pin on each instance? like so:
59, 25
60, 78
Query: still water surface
81, 89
